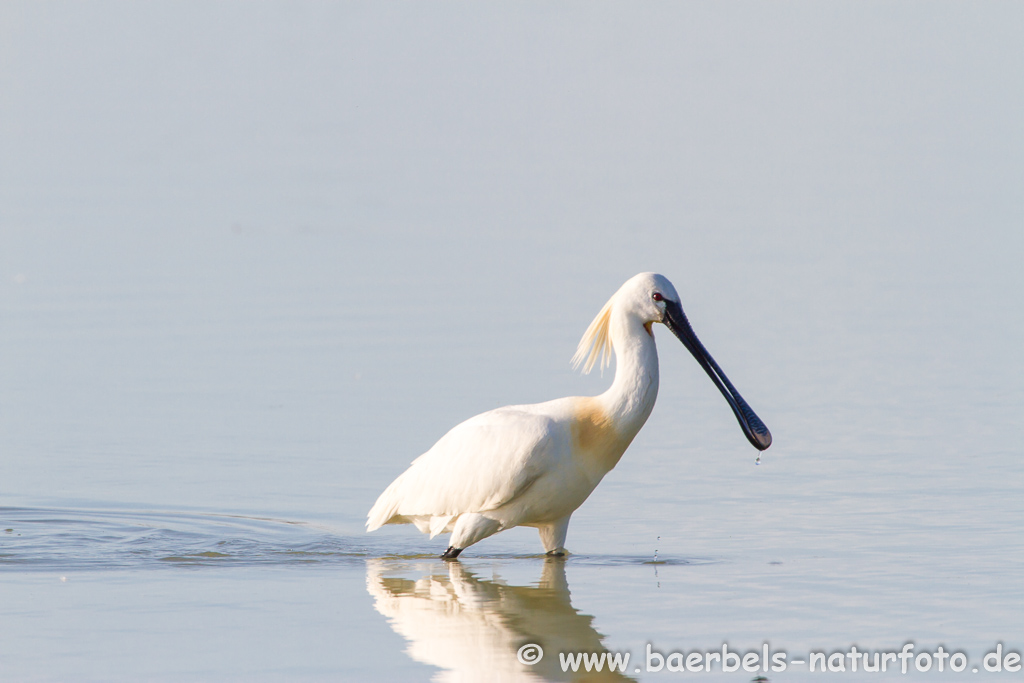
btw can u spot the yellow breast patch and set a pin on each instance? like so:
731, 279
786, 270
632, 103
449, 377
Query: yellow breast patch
592, 428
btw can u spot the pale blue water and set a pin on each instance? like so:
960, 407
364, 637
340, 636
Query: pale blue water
255, 258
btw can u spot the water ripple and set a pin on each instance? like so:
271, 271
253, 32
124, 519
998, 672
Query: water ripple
61, 539
41, 538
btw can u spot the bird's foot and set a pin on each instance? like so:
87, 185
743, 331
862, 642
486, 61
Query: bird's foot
560, 552
451, 554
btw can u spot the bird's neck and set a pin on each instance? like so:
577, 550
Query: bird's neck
631, 397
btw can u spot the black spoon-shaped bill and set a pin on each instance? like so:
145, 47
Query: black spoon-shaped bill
755, 430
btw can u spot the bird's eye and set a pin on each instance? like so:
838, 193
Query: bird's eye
657, 296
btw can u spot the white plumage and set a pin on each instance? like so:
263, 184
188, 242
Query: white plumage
534, 465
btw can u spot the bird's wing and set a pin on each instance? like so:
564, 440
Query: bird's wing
479, 465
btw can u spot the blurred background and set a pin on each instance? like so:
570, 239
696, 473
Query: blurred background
255, 257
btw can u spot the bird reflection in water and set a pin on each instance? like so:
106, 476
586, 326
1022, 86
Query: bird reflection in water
472, 628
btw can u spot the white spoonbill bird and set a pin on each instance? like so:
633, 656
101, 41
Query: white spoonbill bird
533, 465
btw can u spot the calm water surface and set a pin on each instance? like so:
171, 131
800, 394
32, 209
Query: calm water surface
254, 260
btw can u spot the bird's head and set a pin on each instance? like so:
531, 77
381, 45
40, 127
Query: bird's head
652, 298
647, 296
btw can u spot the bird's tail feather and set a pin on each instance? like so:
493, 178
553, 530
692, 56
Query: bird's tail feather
383, 511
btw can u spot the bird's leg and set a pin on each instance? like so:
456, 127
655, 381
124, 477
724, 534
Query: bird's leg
552, 536
470, 528
451, 554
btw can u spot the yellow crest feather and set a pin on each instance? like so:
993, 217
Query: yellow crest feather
596, 344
